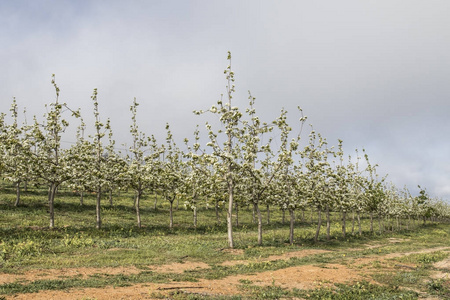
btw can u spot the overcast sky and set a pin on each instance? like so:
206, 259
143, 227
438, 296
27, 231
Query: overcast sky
375, 74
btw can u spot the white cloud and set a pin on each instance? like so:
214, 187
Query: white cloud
372, 73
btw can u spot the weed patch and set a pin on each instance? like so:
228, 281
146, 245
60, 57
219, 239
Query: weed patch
358, 291
424, 259
439, 287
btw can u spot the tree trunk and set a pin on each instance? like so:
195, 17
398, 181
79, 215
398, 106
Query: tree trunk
17, 203
291, 226
51, 201
344, 217
195, 217
110, 197
359, 223
371, 222
283, 216
171, 214
303, 216
230, 213
319, 224
353, 222
97, 208
138, 213
258, 214
156, 201
268, 214
81, 198
379, 224
328, 222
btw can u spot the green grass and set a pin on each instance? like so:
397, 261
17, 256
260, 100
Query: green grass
425, 259
358, 291
92, 282
27, 243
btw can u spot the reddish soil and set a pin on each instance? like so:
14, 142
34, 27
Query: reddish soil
301, 277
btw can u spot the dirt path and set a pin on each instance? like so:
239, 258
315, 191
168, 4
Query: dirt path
300, 277
169, 268
303, 277
370, 259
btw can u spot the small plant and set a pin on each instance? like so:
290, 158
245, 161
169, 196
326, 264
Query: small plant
439, 287
432, 257
77, 241
265, 292
435, 285
157, 295
245, 281
20, 250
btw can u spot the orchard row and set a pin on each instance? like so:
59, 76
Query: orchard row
240, 165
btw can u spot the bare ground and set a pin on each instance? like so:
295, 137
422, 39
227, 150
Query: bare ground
300, 277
